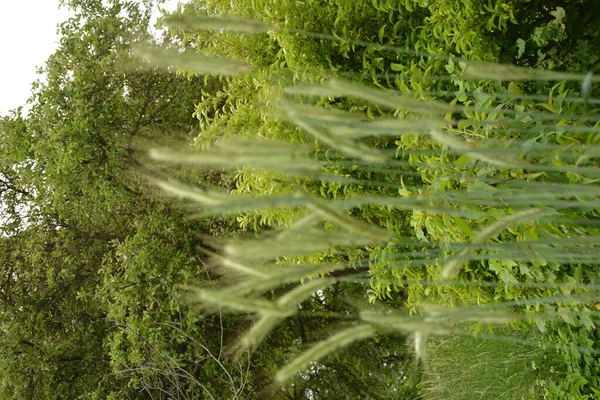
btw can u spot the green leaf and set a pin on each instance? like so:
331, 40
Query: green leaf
463, 160
396, 67
567, 315
381, 33
521, 46
559, 14
513, 88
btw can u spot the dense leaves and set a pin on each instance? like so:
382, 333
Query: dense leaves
96, 264
75, 201
406, 46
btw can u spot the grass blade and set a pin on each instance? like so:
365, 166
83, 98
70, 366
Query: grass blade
193, 62
201, 23
323, 348
452, 267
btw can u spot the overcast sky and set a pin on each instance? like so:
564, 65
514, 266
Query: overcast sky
28, 32
28, 37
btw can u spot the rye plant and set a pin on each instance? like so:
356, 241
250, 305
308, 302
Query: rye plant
477, 217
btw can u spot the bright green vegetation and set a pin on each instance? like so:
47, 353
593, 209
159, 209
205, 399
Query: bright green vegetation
345, 200
499, 366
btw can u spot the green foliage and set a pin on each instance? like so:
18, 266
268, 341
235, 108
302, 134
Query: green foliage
377, 174
480, 182
502, 366
52, 338
74, 203
553, 35
156, 341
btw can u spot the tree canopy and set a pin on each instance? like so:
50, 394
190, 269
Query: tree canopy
74, 200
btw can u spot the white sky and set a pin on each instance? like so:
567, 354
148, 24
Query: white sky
27, 38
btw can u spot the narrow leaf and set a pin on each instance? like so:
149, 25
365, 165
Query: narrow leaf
237, 266
259, 331
405, 324
504, 72
193, 62
461, 146
323, 348
220, 299
451, 268
195, 194
346, 146
283, 275
303, 291
391, 99
272, 155
196, 22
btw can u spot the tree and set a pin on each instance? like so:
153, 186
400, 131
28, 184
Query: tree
73, 201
